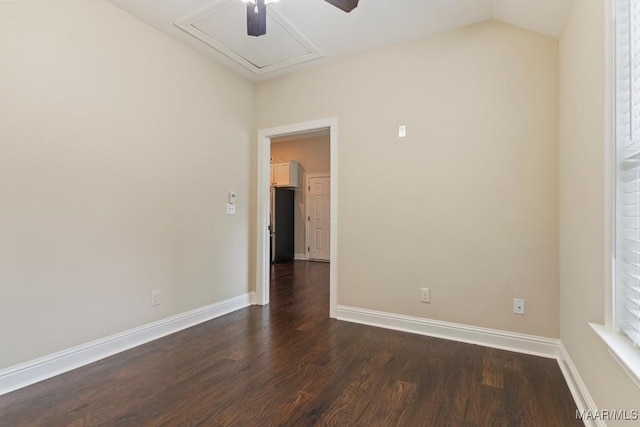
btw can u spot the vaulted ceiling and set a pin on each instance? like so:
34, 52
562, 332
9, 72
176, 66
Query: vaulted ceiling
301, 33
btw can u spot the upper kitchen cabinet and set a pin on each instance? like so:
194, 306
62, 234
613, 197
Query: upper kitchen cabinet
285, 174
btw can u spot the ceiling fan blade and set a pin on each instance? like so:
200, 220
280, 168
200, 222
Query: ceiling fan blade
346, 5
256, 18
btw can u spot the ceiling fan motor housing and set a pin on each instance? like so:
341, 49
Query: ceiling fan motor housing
257, 13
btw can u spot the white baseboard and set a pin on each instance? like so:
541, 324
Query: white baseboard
37, 370
300, 257
578, 389
511, 341
521, 343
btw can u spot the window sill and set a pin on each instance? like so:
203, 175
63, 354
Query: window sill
622, 350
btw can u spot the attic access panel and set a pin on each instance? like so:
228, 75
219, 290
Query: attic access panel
223, 26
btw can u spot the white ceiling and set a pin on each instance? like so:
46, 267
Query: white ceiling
322, 28
283, 45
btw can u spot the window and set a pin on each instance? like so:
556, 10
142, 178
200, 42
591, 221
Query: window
627, 112
623, 338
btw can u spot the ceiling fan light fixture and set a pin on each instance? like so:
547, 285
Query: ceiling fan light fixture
256, 17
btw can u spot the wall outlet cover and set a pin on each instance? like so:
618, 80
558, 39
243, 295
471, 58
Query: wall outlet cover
425, 295
155, 298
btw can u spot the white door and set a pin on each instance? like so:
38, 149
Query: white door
318, 208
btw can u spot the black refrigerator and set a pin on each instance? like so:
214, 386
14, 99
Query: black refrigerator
282, 235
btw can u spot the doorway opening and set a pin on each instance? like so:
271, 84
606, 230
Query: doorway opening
264, 178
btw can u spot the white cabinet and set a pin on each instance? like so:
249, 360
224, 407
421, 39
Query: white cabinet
285, 174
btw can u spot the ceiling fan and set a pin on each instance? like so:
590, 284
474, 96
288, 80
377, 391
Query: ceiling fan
257, 13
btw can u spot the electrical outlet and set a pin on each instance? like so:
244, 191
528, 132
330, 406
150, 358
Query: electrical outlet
518, 306
155, 298
425, 295
231, 209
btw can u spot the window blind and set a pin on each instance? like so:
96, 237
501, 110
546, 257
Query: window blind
627, 255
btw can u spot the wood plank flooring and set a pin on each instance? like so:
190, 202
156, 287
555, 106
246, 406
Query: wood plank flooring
288, 364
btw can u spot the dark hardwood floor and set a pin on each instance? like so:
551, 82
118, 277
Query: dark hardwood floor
290, 365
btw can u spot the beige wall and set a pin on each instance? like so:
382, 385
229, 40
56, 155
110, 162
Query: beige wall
314, 156
582, 206
118, 146
467, 204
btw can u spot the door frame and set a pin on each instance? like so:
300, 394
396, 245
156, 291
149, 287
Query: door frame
307, 237
262, 205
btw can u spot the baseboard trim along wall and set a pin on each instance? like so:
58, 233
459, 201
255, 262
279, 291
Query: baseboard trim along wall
37, 370
578, 389
300, 257
521, 343
504, 340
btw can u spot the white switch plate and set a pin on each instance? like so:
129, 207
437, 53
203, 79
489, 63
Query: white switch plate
231, 209
402, 131
518, 306
232, 197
